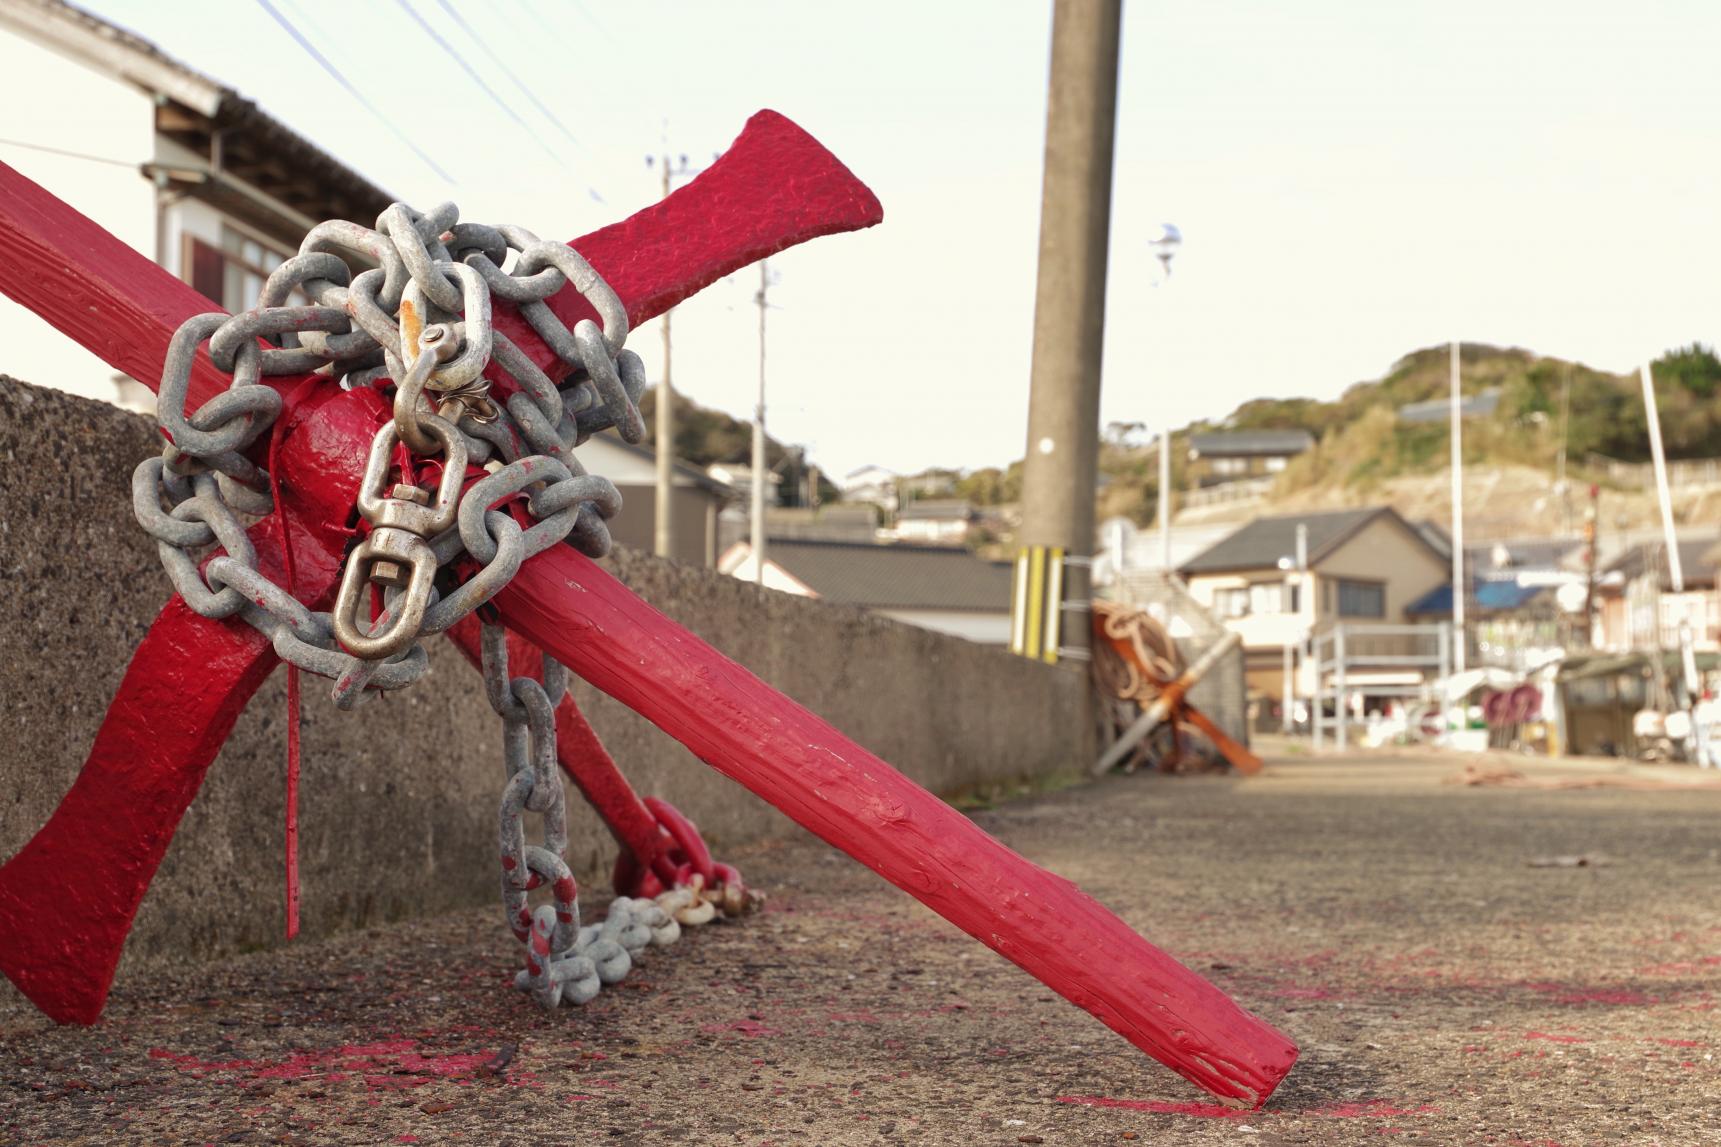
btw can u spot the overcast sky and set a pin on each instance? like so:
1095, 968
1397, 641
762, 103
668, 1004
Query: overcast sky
1354, 179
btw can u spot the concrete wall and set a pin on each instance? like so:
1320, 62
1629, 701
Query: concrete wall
399, 799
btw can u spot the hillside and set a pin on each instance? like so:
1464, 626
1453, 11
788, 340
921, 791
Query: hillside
1366, 453
1545, 405
704, 436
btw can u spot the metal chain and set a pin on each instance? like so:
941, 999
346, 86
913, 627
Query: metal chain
565, 963
419, 321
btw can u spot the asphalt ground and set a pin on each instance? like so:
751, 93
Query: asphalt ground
1450, 974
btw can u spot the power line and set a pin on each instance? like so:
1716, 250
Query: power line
67, 154
502, 66
584, 14
473, 75
323, 62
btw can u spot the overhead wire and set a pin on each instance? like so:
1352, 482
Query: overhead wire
472, 74
335, 73
502, 66
67, 154
477, 78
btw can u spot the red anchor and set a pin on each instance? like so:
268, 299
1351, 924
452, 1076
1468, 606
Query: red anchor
68, 897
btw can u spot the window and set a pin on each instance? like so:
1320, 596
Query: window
232, 274
1230, 466
1233, 602
1362, 599
1276, 464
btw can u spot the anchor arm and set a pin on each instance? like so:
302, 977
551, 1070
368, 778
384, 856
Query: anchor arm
585, 618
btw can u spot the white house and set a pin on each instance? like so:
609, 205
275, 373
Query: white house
873, 484
939, 521
184, 169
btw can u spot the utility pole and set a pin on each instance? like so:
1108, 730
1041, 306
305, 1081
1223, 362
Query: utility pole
663, 520
1165, 500
758, 485
1565, 425
1592, 522
1460, 643
1675, 569
1053, 594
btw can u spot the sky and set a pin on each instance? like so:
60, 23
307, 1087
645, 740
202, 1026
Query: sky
1353, 180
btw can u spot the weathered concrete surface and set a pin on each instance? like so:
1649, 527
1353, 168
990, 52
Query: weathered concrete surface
1442, 989
399, 799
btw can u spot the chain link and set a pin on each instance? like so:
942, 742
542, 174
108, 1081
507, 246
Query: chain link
418, 321
416, 317
565, 963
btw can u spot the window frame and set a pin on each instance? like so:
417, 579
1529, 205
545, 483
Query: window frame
231, 258
1366, 584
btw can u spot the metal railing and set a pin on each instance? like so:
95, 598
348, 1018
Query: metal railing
1242, 490
1338, 652
1692, 473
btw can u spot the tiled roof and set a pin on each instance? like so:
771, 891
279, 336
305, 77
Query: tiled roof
1698, 558
1440, 409
1241, 443
938, 509
1487, 595
99, 43
1261, 543
895, 576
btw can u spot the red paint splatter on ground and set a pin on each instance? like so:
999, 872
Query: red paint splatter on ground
1569, 994
1679, 1042
1680, 967
389, 1065
1551, 1038
752, 1029
1366, 1109
1159, 1106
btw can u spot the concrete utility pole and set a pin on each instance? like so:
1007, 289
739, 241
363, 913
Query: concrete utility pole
1059, 474
663, 520
663, 533
758, 488
1460, 644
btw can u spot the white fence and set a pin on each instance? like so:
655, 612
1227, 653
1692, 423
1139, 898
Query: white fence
1345, 653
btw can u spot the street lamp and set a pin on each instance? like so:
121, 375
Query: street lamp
1165, 241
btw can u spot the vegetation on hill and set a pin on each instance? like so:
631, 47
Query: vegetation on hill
704, 436
1545, 405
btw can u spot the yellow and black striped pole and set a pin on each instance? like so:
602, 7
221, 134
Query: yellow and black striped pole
1037, 603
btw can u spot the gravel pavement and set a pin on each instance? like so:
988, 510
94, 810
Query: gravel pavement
1450, 973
